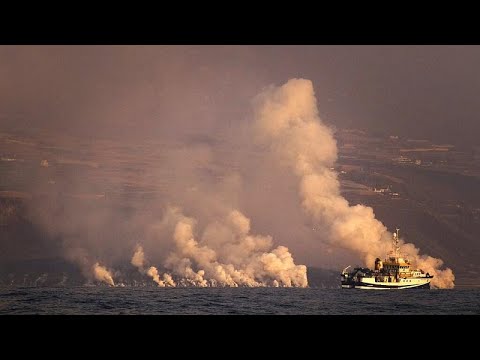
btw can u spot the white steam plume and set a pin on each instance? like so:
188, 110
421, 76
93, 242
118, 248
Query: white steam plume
228, 255
102, 274
138, 260
90, 270
287, 120
153, 273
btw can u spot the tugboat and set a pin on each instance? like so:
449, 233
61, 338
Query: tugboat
393, 273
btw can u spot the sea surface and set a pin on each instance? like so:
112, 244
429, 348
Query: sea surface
235, 301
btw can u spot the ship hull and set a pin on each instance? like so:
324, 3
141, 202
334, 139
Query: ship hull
394, 273
385, 286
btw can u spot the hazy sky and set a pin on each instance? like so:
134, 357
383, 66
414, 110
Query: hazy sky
154, 91
216, 152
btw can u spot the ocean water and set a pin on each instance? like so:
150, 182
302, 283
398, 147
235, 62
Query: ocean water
235, 301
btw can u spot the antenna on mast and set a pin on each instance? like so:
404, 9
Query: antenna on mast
396, 248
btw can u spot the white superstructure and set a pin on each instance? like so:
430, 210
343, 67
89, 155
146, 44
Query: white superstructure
393, 273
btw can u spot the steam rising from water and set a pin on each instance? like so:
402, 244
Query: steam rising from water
102, 274
213, 244
287, 121
138, 260
226, 255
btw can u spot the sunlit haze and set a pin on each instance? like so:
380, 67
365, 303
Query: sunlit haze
237, 166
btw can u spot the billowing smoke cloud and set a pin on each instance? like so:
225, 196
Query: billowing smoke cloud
153, 273
91, 271
102, 274
111, 191
227, 254
443, 278
138, 260
287, 121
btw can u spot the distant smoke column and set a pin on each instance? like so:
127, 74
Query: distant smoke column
168, 280
153, 273
138, 260
287, 120
102, 274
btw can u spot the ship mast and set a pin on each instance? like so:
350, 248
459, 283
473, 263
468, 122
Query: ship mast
396, 248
